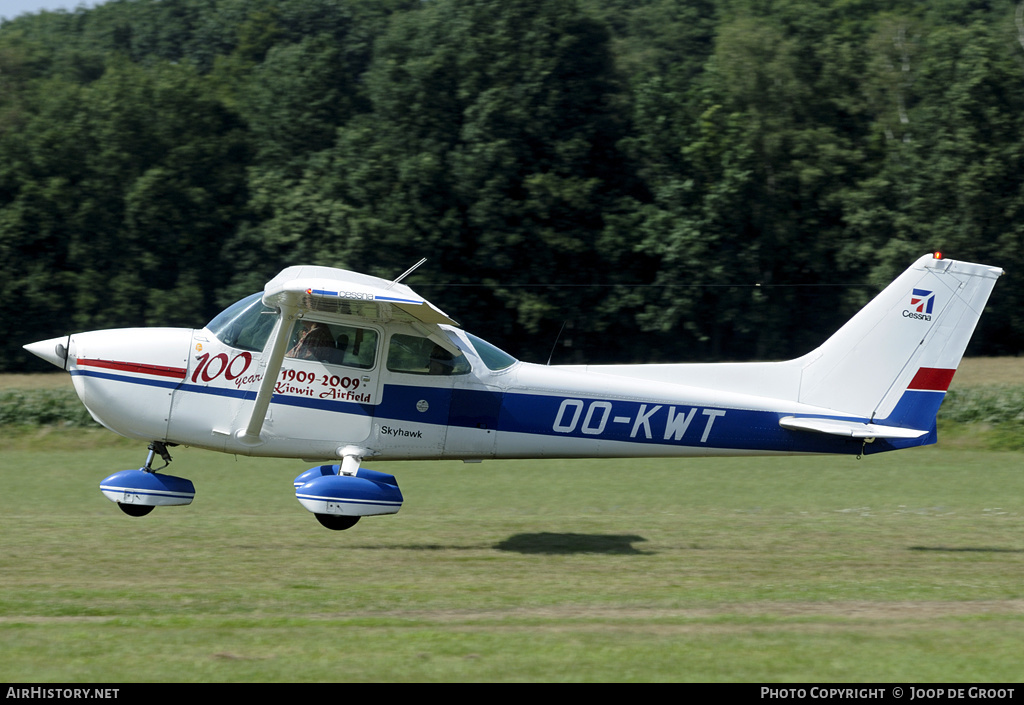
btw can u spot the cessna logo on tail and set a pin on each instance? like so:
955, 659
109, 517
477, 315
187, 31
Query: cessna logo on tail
921, 303
923, 300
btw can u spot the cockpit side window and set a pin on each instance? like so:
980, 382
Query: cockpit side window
246, 324
421, 356
334, 344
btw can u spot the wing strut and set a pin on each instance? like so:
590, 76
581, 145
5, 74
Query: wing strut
250, 435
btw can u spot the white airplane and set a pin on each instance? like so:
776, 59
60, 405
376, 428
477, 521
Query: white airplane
337, 367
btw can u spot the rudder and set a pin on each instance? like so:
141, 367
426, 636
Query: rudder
894, 360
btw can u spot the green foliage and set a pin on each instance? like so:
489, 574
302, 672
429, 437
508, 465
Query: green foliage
992, 415
989, 405
43, 407
694, 173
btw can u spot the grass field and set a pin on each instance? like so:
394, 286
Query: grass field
905, 567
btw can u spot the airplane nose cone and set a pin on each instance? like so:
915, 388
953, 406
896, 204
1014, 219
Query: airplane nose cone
54, 350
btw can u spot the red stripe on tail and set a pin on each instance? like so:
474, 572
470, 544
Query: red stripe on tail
931, 379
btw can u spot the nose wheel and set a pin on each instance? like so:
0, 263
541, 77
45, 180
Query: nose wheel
137, 492
141, 510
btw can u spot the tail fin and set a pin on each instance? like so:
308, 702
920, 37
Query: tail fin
894, 360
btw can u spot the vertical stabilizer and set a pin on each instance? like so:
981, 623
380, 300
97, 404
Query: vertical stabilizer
895, 359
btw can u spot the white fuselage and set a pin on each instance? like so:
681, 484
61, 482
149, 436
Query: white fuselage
328, 364
187, 387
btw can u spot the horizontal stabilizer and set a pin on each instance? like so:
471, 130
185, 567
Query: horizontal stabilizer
848, 429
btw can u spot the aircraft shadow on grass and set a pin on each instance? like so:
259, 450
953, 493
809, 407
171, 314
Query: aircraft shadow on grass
553, 543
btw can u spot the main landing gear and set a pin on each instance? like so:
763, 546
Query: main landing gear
137, 492
338, 495
338, 498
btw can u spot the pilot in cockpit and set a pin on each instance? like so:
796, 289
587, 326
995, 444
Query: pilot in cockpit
315, 342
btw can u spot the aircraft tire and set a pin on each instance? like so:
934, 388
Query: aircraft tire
336, 522
135, 510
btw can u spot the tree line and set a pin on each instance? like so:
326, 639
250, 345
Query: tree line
591, 180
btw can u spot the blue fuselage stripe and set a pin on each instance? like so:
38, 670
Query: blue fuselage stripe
125, 378
594, 418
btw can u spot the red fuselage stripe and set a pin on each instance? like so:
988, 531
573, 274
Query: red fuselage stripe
158, 370
932, 379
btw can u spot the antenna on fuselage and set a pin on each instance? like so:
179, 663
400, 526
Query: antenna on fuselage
556, 341
406, 273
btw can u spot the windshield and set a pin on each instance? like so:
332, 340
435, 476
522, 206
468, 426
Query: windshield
494, 358
245, 324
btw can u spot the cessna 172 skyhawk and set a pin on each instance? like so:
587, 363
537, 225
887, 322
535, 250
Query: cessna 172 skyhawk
339, 367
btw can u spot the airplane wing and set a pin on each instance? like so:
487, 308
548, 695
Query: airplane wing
339, 291
297, 290
849, 429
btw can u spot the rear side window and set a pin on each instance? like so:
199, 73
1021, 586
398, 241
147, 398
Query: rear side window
421, 356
